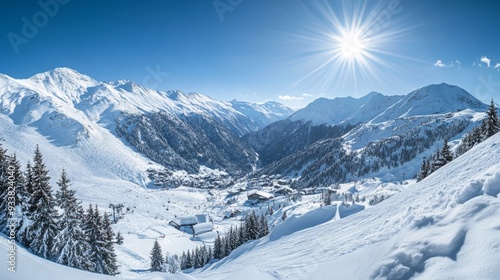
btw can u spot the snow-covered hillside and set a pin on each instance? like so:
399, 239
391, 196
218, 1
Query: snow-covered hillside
80, 115
445, 227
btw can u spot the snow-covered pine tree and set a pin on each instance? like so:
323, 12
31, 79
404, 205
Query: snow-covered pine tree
91, 227
424, 170
119, 238
183, 261
210, 255
4, 185
218, 254
21, 194
156, 257
242, 234
70, 245
22, 233
198, 258
437, 161
227, 245
43, 214
252, 226
446, 154
492, 122
108, 252
263, 226
189, 260
101, 253
233, 238
173, 263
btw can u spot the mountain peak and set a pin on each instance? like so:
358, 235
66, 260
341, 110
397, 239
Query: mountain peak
343, 110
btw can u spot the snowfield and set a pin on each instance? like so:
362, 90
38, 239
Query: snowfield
444, 227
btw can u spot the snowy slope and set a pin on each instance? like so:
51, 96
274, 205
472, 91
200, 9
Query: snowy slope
29, 266
445, 227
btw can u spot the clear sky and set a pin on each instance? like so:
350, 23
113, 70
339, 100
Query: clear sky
292, 51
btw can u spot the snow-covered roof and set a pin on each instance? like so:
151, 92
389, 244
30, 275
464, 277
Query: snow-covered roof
202, 228
261, 195
186, 220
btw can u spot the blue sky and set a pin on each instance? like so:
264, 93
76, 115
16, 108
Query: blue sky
292, 51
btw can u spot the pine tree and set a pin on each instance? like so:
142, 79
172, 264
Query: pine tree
189, 260
263, 226
173, 263
23, 232
424, 170
198, 258
99, 238
252, 226
242, 234
183, 261
218, 254
4, 186
493, 123
108, 252
119, 238
233, 238
438, 162
70, 246
91, 224
21, 196
446, 154
43, 214
156, 257
210, 255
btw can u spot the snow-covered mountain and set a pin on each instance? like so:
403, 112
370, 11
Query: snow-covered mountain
391, 136
430, 100
345, 110
71, 109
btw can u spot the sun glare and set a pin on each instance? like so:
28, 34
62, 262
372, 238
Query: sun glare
351, 45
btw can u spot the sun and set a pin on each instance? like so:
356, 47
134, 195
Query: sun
351, 45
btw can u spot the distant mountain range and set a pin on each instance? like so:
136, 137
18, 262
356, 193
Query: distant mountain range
123, 128
178, 130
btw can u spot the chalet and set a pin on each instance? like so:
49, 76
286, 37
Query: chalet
284, 191
202, 228
260, 196
193, 224
184, 221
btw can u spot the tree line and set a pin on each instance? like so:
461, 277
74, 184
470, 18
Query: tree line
488, 127
52, 225
252, 228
